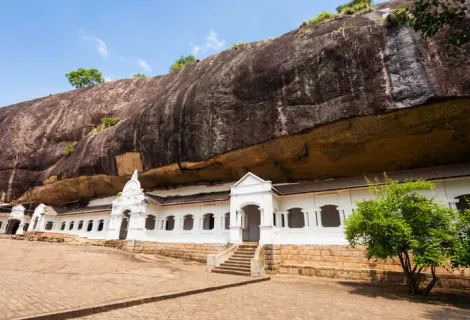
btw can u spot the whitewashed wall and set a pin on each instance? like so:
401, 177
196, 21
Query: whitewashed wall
197, 235
249, 191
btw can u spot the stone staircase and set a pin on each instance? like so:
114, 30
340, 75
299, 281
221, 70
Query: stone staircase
240, 262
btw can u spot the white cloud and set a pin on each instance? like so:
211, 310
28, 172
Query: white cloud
107, 79
100, 45
144, 65
213, 42
197, 49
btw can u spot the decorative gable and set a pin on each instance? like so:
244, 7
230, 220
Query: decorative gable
249, 179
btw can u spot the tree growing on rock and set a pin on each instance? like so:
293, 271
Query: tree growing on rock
431, 16
183, 61
402, 223
139, 75
84, 78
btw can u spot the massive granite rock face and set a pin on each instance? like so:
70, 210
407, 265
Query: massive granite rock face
343, 98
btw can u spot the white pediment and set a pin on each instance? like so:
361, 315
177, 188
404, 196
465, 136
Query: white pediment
249, 179
132, 187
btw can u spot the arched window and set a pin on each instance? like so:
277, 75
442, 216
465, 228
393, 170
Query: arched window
295, 218
227, 220
100, 225
463, 203
35, 224
71, 225
150, 222
80, 225
208, 221
89, 226
188, 222
49, 225
170, 223
330, 216
62, 226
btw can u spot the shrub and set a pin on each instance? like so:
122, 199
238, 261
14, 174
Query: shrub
403, 223
105, 123
139, 75
69, 148
398, 16
322, 17
236, 45
352, 3
355, 8
182, 62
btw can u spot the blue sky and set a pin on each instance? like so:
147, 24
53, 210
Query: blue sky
42, 40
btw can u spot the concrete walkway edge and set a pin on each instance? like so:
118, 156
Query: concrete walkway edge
86, 311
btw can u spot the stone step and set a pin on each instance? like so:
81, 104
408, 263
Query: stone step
236, 265
247, 249
235, 268
251, 253
231, 268
241, 255
238, 259
236, 273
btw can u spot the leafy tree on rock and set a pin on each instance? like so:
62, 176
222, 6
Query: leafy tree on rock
431, 16
183, 61
139, 75
84, 78
403, 223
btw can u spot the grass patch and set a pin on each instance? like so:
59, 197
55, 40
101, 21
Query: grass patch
105, 123
322, 17
398, 16
68, 150
236, 45
355, 8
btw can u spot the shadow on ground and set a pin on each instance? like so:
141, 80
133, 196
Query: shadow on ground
458, 299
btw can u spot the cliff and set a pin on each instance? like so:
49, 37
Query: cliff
342, 98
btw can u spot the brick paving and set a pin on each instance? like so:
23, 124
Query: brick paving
38, 277
43, 277
291, 298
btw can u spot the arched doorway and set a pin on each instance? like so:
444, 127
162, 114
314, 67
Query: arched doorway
13, 226
251, 221
124, 225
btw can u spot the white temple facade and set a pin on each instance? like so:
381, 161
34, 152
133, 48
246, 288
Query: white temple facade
250, 210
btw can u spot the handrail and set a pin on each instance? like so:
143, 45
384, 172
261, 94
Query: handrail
216, 259
257, 262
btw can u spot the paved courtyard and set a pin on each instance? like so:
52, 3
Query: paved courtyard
291, 298
39, 277
42, 277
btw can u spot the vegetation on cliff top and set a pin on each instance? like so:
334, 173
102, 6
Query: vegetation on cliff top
84, 78
139, 75
182, 62
403, 223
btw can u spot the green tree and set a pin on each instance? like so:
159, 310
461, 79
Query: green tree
139, 75
402, 222
83, 78
183, 61
431, 16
